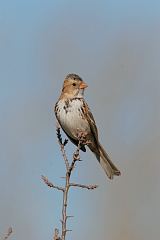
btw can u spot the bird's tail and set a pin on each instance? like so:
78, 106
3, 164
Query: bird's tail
109, 168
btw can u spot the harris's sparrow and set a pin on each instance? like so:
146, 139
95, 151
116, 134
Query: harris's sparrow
74, 115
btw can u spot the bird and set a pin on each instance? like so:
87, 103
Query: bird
74, 116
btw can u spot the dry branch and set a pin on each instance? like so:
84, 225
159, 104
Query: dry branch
69, 169
51, 185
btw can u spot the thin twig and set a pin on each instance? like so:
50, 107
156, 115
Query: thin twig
89, 187
62, 145
9, 232
76, 158
51, 185
56, 235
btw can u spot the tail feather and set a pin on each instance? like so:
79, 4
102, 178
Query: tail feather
109, 168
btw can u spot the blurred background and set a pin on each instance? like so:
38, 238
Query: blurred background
115, 47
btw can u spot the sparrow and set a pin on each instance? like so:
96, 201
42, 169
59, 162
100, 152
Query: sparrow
74, 116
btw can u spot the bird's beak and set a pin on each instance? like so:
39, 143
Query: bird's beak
83, 85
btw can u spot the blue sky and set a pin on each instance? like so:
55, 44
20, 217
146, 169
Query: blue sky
114, 46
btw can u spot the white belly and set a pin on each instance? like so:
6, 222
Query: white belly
71, 118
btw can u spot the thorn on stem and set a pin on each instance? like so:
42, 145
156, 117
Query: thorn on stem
70, 216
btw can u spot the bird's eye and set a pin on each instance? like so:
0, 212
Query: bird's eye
74, 84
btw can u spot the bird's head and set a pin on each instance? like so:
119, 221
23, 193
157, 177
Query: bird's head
73, 86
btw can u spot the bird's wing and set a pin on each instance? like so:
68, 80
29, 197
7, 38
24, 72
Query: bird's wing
91, 121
